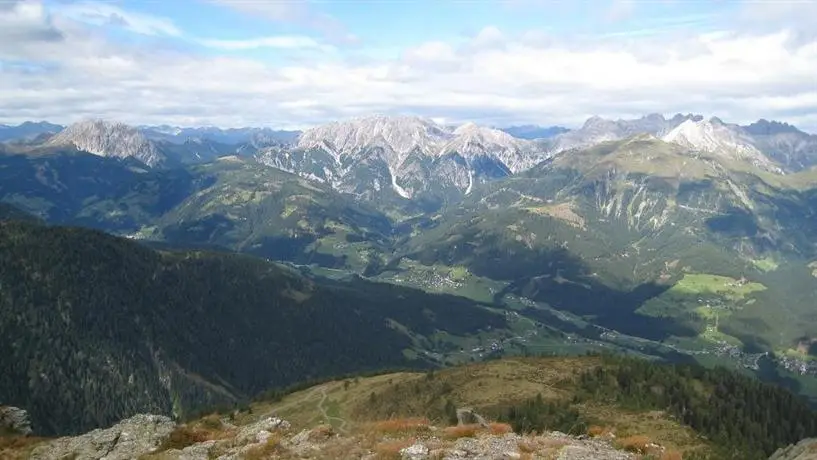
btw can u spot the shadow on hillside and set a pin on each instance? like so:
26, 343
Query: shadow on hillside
561, 282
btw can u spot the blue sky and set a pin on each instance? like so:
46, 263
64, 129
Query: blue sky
392, 25
298, 63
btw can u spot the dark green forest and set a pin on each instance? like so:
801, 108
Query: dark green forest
747, 419
94, 328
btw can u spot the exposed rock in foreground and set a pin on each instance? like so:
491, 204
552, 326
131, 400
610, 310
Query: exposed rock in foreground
14, 420
158, 437
128, 439
803, 450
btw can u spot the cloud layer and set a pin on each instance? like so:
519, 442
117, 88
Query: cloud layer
63, 65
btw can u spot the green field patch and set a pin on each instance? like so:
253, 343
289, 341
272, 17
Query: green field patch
704, 283
797, 354
459, 273
444, 279
562, 211
703, 299
288, 210
767, 264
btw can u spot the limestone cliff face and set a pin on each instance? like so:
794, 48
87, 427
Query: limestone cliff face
803, 450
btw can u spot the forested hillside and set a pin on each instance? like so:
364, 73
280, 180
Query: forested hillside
94, 328
744, 417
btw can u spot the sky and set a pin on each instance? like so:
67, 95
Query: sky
292, 64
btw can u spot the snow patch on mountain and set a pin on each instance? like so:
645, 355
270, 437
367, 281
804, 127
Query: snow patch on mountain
471, 141
714, 136
405, 142
109, 139
597, 130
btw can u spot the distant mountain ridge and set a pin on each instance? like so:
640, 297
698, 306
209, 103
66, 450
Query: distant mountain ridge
412, 157
28, 130
258, 136
407, 157
532, 132
112, 139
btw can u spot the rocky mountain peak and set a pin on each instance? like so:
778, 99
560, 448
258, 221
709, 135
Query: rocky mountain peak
417, 153
402, 134
765, 127
596, 121
679, 118
484, 134
716, 137
110, 139
596, 130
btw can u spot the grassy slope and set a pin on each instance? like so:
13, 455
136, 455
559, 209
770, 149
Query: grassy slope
349, 404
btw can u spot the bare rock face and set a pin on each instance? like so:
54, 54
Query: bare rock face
128, 439
269, 437
109, 139
14, 420
553, 445
803, 450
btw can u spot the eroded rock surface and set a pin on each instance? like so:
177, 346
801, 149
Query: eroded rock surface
128, 439
14, 420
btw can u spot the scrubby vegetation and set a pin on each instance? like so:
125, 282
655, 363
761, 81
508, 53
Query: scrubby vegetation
745, 418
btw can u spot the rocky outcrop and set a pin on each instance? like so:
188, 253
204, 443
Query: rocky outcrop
270, 437
803, 450
14, 420
236, 443
128, 439
553, 445
467, 416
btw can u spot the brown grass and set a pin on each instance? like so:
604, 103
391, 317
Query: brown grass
461, 431
636, 444
672, 455
321, 433
18, 447
526, 447
390, 450
211, 422
596, 431
189, 434
499, 428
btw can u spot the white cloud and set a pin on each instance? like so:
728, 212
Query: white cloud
499, 77
103, 14
26, 22
282, 42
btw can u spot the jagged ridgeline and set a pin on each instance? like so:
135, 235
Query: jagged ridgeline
94, 328
647, 238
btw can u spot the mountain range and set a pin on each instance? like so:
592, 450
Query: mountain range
393, 158
685, 238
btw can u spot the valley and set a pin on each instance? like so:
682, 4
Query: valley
450, 246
